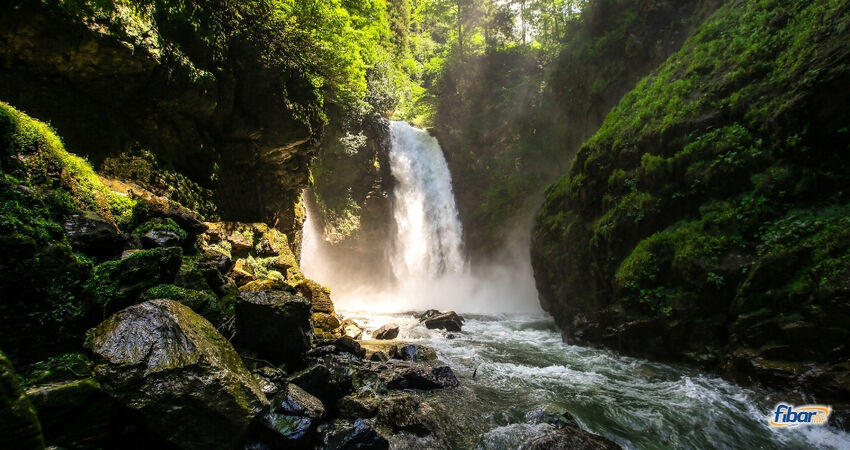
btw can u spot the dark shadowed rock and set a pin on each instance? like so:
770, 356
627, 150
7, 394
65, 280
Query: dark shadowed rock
388, 331
75, 414
329, 381
408, 375
412, 352
569, 438
449, 321
406, 413
182, 378
349, 345
358, 435
19, 426
161, 238
139, 272
275, 324
93, 235
425, 315
292, 419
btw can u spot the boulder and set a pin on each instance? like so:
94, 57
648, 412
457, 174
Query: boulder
95, 236
388, 331
161, 238
292, 419
358, 435
119, 284
181, 377
425, 315
351, 329
424, 376
75, 414
412, 352
329, 380
449, 321
569, 438
407, 413
349, 345
275, 324
19, 425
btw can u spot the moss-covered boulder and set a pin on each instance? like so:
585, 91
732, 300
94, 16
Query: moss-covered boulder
178, 373
708, 217
19, 425
275, 324
119, 283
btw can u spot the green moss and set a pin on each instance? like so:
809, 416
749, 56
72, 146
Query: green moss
167, 224
62, 367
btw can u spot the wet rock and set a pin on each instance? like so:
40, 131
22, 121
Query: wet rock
324, 350
407, 413
329, 381
408, 375
93, 235
275, 324
449, 321
569, 438
412, 352
388, 331
19, 425
137, 273
181, 377
426, 315
161, 238
349, 345
351, 329
358, 435
378, 356
292, 419
325, 323
75, 414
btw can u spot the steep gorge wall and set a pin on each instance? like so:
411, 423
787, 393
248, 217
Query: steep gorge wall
113, 84
509, 121
707, 220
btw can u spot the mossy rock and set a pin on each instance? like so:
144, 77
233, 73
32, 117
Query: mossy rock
19, 425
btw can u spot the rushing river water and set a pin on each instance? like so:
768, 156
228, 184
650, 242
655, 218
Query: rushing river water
523, 367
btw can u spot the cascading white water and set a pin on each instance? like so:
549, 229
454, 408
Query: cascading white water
429, 239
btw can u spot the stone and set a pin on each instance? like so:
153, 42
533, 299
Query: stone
75, 414
141, 271
412, 352
425, 315
349, 345
329, 380
161, 238
177, 373
449, 321
19, 425
351, 329
325, 322
387, 331
93, 235
407, 413
292, 419
274, 324
424, 376
356, 436
378, 356
569, 438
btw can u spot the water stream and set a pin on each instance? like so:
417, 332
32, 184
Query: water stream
522, 364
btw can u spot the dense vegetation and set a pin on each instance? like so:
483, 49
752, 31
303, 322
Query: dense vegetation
707, 219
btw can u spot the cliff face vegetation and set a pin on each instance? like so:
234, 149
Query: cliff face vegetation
707, 219
511, 118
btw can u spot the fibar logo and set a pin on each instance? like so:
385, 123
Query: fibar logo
787, 416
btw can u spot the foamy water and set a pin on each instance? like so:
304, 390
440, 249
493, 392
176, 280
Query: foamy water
522, 367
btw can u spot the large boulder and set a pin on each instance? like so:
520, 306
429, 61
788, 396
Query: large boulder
275, 324
74, 414
329, 381
182, 378
93, 235
387, 331
19, 426
412, 375
117, 284
449, 321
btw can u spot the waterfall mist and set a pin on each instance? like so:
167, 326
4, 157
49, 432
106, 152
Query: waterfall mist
426, 253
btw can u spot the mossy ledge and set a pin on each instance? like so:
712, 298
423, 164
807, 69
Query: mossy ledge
707, 220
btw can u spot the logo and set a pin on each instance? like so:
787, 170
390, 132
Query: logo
787, 416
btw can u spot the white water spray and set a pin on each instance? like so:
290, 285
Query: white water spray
426, 253
429, 242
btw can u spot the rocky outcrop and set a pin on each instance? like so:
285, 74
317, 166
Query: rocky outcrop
93, 235
707, 221
19, 425
152, 79
182, 378
387, 331
449, 321
292, 419
275, 324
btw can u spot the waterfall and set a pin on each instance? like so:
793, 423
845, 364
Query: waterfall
429, 239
